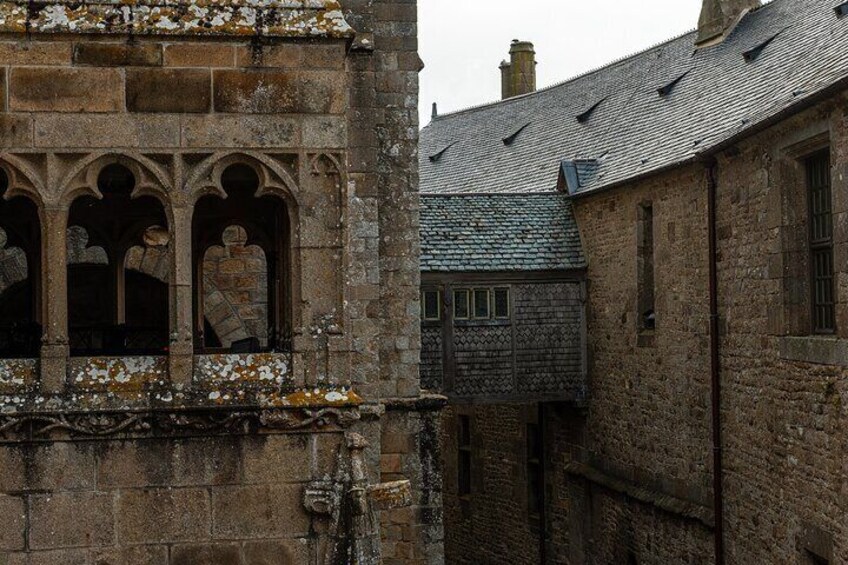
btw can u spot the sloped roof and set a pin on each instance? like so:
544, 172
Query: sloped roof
499, 232
710, 96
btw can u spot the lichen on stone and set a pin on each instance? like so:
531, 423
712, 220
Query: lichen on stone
279, 18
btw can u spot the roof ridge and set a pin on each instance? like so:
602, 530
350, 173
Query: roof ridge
578, 76
478, 194
569, 80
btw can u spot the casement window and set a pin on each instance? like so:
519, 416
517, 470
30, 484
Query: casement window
481, 303
431, 305
646, 314
464, 455
501, 303
535, 474
461, 306
820, 228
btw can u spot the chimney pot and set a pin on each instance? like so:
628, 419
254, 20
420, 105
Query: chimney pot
518, 76
719, 18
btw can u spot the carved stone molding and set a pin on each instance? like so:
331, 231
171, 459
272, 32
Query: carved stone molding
48, 426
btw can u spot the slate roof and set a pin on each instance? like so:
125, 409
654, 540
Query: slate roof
499, 232
634, 130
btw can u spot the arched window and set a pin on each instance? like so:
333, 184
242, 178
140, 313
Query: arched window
240, 250
20, 275
114, 309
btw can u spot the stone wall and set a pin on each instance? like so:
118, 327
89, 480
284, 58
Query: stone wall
179, 466
635, 472
492, 524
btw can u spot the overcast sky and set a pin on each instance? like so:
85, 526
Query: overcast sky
462, 42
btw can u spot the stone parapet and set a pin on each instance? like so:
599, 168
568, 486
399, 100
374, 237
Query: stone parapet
271, 18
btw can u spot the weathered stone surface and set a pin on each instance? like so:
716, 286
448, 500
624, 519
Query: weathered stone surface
219, 554
252, 512
277, 459
168, 90
12, 523
71, 519
28, 52
15, 130
38, 89
199, 55
282, 552
324, 132
285, 55
241, 131
118, 54
50, 467
137, 555
281, 92
59, 557
162, 515
106, 131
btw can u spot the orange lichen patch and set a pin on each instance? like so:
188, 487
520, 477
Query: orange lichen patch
17, 375
321, 397
232, 370
281, 18
396, 494
117, 374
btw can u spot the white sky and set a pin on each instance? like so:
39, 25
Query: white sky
462, 42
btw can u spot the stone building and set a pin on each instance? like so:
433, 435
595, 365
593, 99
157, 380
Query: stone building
707, 179
209, 333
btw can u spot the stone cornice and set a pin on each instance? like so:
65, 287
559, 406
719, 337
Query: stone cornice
177, 422
246, 18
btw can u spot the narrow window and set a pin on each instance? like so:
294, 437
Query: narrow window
464, 456
820, 221
645, 262
431, 310
535, 476
481, 303
501, 303
460, 304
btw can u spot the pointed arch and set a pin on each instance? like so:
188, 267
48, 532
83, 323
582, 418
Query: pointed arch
150, 179
22, 179
274, 179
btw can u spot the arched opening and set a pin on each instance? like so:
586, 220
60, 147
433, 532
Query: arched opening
20, 275
240, 250
113, 307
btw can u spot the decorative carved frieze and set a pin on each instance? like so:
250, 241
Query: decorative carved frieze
49, 426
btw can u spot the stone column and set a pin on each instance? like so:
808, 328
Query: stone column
54, 299
180, 286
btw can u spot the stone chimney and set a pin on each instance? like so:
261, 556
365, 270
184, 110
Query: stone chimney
518, 76
719, 17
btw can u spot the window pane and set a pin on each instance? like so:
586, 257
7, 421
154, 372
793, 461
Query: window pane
481, 303
820, 218
460, 304
502, 303
431, 306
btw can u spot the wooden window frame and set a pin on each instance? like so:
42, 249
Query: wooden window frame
508, 314
473, 312
438, 294
467, 293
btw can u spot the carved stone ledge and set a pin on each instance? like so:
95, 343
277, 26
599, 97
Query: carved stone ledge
52, 426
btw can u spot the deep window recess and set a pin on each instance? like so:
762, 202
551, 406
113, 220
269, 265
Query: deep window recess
645, 262
820, 221
535, 476
464, 456
481, 303
501, 303
431, 305
460, 304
